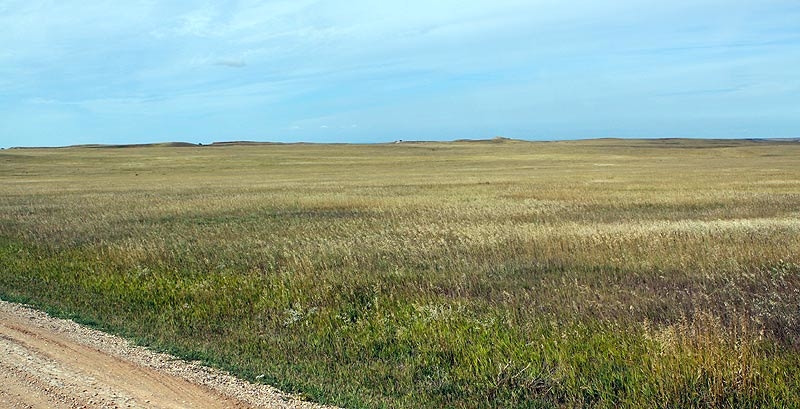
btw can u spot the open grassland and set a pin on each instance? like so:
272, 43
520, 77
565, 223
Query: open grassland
596, 273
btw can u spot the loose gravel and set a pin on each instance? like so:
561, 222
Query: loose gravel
50, 363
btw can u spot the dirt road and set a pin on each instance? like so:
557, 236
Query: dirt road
52, 363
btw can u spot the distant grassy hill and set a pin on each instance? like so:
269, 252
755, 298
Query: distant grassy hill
657, 142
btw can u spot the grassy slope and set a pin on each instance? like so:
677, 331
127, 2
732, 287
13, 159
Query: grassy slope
607, 273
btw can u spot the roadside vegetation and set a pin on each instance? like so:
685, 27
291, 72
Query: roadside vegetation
600, 273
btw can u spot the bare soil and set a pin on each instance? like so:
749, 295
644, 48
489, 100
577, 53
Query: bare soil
53, 363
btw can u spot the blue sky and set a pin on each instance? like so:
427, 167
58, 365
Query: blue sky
74, 72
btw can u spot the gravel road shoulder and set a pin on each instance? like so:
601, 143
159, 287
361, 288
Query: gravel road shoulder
47, 362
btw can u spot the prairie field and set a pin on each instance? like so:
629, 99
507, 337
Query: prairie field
601, 273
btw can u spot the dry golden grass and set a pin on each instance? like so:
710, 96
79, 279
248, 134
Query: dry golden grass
606, 273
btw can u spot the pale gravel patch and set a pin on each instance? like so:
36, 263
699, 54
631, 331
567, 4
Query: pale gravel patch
257, 395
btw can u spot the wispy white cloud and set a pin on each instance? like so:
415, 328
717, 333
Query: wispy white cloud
231, 63
457, 64
197, 22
